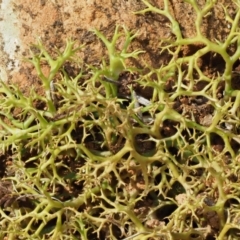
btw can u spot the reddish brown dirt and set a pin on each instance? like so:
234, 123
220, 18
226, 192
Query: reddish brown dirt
55, 21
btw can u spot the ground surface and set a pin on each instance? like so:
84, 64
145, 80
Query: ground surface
56, 20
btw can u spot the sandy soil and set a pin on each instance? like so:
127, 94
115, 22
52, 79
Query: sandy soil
53, 21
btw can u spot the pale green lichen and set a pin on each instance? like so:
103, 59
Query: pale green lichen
185, 179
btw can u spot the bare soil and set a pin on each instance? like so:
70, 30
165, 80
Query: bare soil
57, 20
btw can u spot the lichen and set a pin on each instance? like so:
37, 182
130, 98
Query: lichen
86, 165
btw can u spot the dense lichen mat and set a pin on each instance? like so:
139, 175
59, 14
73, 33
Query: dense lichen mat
116, 152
